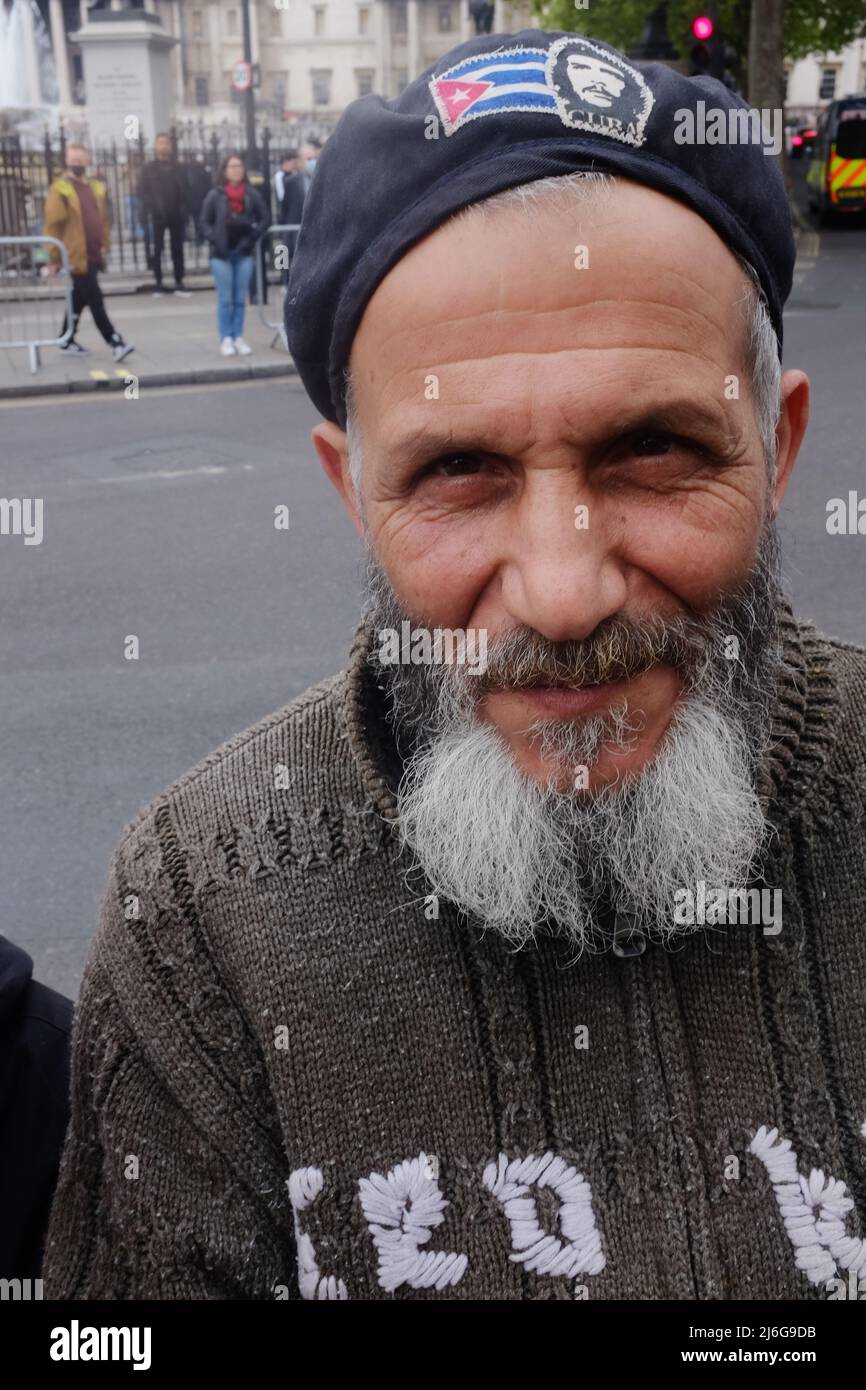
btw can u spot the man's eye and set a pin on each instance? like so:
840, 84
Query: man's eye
651, 445
457, 465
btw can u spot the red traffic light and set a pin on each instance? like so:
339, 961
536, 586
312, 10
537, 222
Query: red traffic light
702, 27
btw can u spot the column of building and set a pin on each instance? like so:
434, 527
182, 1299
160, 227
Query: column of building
215, 75
382, 30
413, 39
61, 55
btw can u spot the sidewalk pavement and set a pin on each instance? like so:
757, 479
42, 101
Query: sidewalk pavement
176, 343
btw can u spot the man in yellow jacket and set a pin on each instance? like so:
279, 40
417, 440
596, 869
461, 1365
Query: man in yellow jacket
76, 213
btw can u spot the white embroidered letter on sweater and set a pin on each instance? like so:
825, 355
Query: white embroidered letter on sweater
304, 1186
814, 1211
401, 1210
580, 1252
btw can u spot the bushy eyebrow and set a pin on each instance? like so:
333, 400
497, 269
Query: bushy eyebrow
708, 422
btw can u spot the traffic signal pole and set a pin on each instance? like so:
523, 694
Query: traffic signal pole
249, 94
706, 56
717, 58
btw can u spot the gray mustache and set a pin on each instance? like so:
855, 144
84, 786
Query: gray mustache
618, 650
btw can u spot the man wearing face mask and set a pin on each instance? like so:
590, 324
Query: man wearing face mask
76, 213
295, 189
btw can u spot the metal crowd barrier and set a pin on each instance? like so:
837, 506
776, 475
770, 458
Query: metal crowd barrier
261, 254
31, 309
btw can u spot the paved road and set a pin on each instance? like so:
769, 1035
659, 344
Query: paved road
159, 523
825, 334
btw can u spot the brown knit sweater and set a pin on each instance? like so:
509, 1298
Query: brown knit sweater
291, 1081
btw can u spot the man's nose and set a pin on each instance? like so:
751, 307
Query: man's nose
562, 575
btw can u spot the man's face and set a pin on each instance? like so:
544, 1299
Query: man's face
77, 157
559, 389
163, 147
597, 83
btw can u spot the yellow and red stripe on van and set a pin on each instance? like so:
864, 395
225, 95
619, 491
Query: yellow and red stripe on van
846, 179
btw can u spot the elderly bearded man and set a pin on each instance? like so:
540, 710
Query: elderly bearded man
429, 986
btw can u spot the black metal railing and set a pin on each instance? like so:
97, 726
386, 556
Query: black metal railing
26, 174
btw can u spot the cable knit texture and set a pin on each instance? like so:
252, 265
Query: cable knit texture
291, 1080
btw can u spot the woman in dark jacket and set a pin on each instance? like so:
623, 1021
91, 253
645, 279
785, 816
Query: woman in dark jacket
233, 216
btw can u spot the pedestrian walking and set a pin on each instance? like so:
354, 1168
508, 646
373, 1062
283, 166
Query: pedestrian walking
76, 213
164, 197
233, 217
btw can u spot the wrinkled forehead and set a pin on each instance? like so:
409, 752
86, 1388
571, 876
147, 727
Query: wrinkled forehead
661, 308
614, 246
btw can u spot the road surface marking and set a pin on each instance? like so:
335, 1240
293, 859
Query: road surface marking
206, 468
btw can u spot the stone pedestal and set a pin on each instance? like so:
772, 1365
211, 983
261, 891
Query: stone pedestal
127, 72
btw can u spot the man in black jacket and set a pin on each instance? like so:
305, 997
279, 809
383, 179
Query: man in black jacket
35, 1027
295, 189
163, 193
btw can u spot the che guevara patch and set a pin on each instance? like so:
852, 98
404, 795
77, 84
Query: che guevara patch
585, 86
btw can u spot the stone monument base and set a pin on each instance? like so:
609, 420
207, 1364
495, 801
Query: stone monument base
127, 75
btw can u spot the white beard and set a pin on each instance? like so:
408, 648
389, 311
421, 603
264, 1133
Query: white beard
519, 855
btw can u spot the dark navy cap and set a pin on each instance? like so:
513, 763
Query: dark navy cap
507, 109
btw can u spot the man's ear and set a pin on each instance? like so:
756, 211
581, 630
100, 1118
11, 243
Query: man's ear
793, 419
332, 446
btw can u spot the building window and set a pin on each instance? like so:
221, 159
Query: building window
78, 95
365, 81
318, 20
231, 21
827, 90
364, 19
201, 92
197, 26
401, 77
399, 17
446, 18
321, 79
276, 24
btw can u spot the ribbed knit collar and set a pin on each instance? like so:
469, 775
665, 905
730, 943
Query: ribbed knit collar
804, 722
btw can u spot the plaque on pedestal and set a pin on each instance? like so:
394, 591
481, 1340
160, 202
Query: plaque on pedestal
126, 73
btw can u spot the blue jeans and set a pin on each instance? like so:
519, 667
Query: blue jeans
232, 279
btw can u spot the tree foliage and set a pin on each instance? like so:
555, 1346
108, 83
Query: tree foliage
811, 26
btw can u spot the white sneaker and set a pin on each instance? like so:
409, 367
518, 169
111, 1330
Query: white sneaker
227, 347
241, 347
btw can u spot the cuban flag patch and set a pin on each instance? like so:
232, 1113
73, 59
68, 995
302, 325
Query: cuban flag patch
586, 87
